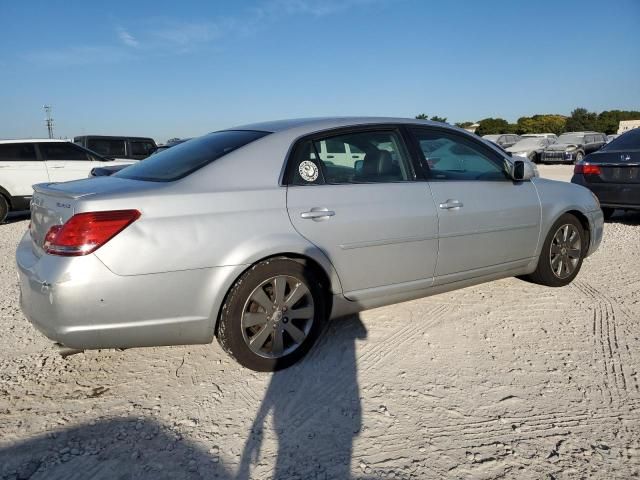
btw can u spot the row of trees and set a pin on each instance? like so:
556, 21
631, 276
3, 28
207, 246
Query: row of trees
579, 120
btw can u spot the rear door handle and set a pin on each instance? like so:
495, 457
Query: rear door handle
451, 205
318, 214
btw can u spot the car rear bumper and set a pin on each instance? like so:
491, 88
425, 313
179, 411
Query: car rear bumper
80, 303
613, 195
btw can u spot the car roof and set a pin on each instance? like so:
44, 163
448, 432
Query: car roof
31, 140
114, 136
327, 123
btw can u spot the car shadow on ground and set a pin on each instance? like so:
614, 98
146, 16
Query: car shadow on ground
15, 217
625, 217
312, 410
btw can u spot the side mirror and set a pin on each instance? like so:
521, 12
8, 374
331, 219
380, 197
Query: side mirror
357, 166
517, 170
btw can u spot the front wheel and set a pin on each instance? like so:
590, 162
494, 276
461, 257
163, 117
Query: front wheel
579, 157
562, 253
273, 315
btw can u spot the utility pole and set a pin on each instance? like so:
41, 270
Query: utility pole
48, 120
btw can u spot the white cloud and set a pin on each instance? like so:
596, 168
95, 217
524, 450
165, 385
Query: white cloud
126, 38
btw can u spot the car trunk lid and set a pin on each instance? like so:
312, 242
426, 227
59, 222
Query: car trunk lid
615, 167
55, 203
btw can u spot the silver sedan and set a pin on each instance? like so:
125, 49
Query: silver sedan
258, 234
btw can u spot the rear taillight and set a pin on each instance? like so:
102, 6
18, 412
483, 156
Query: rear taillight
86, 232
587, 169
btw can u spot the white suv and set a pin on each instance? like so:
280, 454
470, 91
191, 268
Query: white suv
24, 163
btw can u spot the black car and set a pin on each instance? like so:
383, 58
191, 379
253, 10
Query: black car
106, 171
571, 147
613, 173
131, 148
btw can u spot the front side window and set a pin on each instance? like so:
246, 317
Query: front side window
380, 157
453, 157
17, 152
179, 161
62, 151
109, 147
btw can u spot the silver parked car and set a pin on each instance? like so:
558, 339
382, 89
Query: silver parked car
258, 234
530, 148
505, 140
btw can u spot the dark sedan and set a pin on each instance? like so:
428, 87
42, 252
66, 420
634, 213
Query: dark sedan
613, 173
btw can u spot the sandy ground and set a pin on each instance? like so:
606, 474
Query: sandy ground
503, 380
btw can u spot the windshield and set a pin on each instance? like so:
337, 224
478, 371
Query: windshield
570, 138
532, 142
627, 141
179, 161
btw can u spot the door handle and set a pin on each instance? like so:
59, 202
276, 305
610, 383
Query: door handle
56, 167
451, 205
318, 214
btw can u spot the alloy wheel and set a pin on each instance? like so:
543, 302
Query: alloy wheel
566, 248
277, 317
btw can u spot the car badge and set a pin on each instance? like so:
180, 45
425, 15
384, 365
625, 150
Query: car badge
625, 157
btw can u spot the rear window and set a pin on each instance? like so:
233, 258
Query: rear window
626, 141
181, 160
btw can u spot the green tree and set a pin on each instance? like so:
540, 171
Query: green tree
436, 118
492, 126
552, 123
464, 124
582, 119
422, 116
609, 120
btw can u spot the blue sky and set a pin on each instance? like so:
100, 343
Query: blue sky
168, 68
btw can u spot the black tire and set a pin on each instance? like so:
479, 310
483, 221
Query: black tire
230, 329
4, 209
579, 157
544, 274
608, 212
533, 158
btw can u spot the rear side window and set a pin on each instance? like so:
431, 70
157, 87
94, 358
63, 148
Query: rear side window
62, 151
110, 147
17, 152
181, 160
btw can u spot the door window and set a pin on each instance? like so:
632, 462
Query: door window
142, 148
62, 151
111, 147
17, 152
375, 156
454, 157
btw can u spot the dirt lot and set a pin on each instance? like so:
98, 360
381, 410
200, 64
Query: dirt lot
503, 380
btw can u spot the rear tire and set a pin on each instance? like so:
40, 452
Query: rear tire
273, 314
608, 212
562, 253
4, 208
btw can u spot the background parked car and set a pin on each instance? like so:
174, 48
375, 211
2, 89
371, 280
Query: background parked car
106, 170
119, 148
571, 147
505, 140
24, 163
551, 136
164, 146
613, 173
612, 137
530, 147
428, 206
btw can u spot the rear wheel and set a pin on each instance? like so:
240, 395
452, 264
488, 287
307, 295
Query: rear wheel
273, 315
562, 253
4, 208
608, 212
